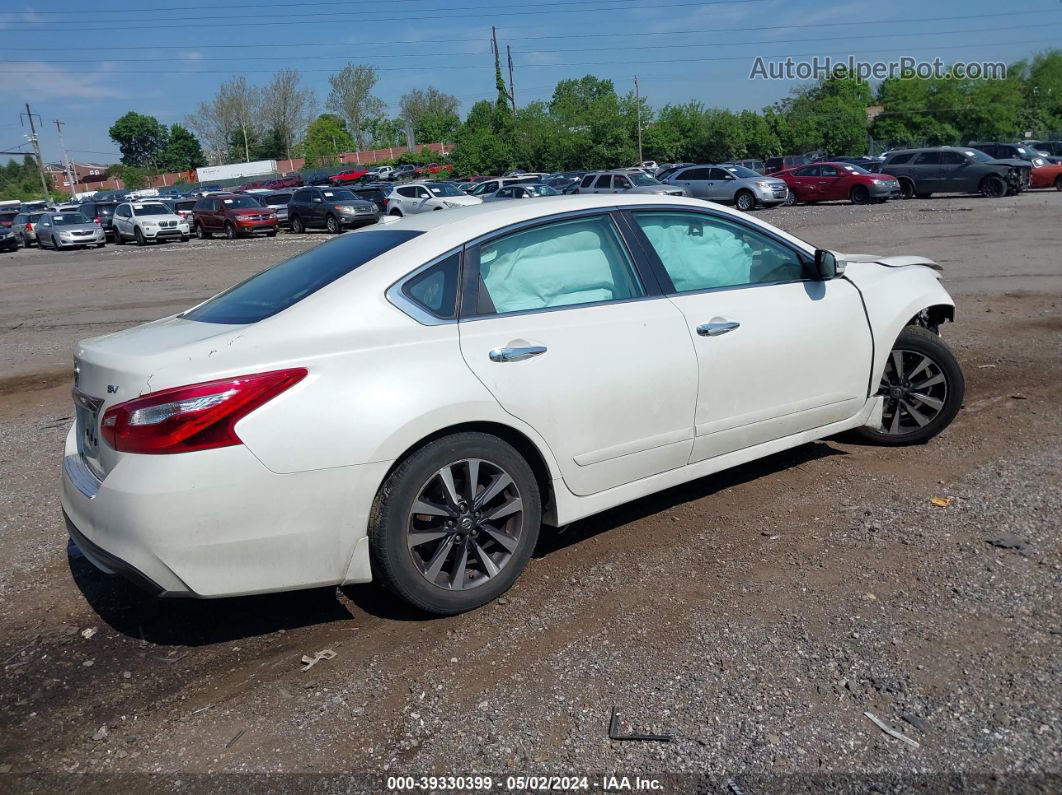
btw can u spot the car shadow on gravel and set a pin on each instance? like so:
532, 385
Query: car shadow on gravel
201, 622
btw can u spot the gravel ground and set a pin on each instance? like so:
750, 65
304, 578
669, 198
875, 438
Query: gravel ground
753, 616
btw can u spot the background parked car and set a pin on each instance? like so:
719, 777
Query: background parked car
348, 176
375, 192
837, 182
278, 203
950, 169
334, 209
1046, 176
1004, 151
1049, 148
752, 165
68, 230
420, 197
404, 171
233, 214
23, 228
381, 172
531, 191
148, 222
625, 182
182, 207
489, 186
101, 212
736, 185
772, 164
8, 239
7, 218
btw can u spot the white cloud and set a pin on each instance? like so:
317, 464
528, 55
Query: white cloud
41, 80
191, 55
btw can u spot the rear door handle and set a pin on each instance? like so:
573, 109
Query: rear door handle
516, 354
715, 329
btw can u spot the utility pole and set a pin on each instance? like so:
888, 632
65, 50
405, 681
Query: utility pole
638, 103
70, 175
512, 91
37, 149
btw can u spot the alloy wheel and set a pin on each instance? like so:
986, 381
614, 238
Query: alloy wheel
915, 391
465, 524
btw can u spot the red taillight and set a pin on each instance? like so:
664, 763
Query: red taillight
29, 227
97, 220
385, 201
195, 417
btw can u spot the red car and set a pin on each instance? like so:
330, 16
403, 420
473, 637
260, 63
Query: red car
824, 182
1046, 176
348, 176
293, 181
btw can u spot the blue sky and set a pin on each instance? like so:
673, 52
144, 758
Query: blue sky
87, 62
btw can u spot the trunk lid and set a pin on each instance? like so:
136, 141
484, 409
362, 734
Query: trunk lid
118, 367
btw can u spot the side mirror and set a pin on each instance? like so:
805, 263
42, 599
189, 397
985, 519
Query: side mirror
827, 265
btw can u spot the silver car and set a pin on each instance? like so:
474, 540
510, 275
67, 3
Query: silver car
529, 191
626, 182
69, 230
278, 202
733, 184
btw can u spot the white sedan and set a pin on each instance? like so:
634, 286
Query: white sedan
147, 222
423, 197
411, 403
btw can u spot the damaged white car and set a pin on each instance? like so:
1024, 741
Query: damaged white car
410, 404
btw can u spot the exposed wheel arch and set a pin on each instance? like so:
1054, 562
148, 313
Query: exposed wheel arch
523, 444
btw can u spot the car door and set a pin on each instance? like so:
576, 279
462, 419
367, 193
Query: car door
925, 169
805, 182
692, 180
721, 185
120, 221
603, 184
570, 336
953, 172
829, 184
778, 352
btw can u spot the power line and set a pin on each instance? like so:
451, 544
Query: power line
746, 57
478, 39
487, 11
212, 7
568, 49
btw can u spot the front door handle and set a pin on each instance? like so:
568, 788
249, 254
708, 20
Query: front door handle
716, 328
516, 354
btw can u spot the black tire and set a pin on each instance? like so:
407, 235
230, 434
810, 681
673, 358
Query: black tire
396, 212
202, 233
140, 239
118, 239
907, 188
992, 187
923, 195
297, 225
332, 225
271, 234
913, 343
100, 245
230, 231
393, 559
745, 201
184, 238
791, 198
1058, 183
859, 194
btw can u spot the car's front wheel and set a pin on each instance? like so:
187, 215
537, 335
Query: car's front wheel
791, 198
907, 189
140, 239
332, 225
745, 201
455, 524
923, 387
297, 225
859, 194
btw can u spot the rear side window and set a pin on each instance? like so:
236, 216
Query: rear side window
587, 180
928, 159
436, 288
604, 181
896, 160
274, 290
560, 264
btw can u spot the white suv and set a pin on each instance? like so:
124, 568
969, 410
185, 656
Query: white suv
148, 221
422, 197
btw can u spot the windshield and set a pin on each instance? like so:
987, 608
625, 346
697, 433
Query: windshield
283, 285
852, 167
339, 195
240, 201
977, 155
642, 180
444, 189
151, 209
742, 173
69, 220
542, 190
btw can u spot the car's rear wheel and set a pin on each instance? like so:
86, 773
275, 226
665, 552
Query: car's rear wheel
230, 231
140, 239
332, 225
1058, 182
118, 239
202, 233
923, 387
907, 189
745, 201
993, 187
455, 524
859, 194
297, 225
396, 212
791, 198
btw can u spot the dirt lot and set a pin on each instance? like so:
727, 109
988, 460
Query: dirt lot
754, 616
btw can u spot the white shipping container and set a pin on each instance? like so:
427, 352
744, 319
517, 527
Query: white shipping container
236, 170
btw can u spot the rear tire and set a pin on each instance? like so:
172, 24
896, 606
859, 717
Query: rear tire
745, 201
993, 187
923, 395
859, 194
923, 195
1058, 183
396, 213
457, 564
202, 233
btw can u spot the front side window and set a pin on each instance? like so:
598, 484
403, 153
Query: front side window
951, 158
604, 181
896, 160
928, 159
409, 193
581, 261
701, 252
277, 288
827, 171
588, 180
694, 174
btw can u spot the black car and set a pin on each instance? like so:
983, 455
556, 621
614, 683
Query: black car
1002, 151
330, 208
405, 171
375, 192
102, 212
953, 169
8, 239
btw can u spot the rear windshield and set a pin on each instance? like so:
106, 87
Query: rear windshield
285, 284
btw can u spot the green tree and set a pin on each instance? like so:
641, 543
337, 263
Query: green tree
593, 131
141, 139
432, 113
182, 152
351, 97
326, 137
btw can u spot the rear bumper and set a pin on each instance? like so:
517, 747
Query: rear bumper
218, 523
